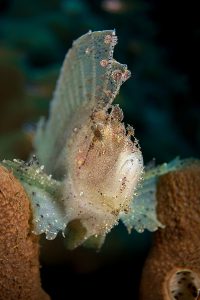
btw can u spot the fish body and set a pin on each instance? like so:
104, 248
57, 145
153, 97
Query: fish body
88, 170
84, 142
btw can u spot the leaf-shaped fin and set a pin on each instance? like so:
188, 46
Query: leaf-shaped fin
142, 214
43, 191
89, 80
48, 215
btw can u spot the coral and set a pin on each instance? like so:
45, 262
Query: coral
19, 250
172, 270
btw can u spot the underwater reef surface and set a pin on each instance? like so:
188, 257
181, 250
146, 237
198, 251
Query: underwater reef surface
19, 248
172, 269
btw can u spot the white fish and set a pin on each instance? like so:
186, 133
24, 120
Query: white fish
84, 142
94, 160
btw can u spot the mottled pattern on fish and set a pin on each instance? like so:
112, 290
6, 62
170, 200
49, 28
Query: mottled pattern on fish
89, 164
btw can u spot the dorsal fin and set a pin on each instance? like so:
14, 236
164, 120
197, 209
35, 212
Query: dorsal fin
89, 80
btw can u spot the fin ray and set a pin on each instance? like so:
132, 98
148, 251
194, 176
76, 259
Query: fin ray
89, 80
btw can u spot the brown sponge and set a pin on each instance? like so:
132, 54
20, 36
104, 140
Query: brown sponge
19, 248
172, 270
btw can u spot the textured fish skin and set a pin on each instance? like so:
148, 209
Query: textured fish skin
94, 160
89, 164
84, 140
104, 169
